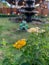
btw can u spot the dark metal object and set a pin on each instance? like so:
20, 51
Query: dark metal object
28, 10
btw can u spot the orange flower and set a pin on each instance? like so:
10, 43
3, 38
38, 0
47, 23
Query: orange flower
20, 43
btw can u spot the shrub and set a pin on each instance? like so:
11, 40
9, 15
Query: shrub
37, 50
6, 61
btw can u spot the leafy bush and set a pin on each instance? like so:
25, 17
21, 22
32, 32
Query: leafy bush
36, 51
5, 15
7, 61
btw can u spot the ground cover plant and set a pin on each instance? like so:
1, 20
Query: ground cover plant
35, 51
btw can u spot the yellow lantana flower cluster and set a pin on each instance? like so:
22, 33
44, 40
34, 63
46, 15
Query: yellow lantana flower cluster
36, 29
20, 43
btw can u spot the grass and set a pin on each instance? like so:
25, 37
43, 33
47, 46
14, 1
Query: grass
8, 31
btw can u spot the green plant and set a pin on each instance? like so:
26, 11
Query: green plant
36, 52
4, 42
6, 61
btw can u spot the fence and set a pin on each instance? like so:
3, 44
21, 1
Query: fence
42, 11
8, 10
